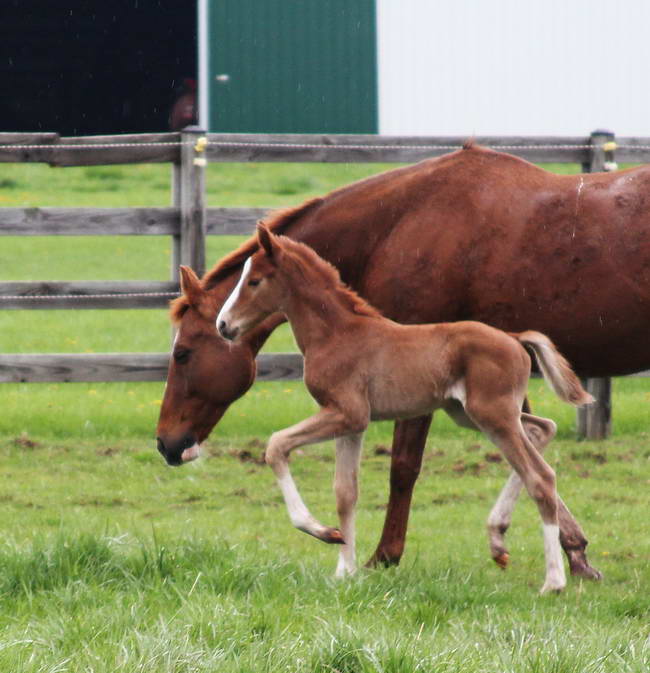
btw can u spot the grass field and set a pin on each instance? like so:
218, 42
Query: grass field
111, 561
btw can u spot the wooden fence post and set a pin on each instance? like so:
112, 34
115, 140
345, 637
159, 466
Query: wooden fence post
595, 421
176, 238
191, 196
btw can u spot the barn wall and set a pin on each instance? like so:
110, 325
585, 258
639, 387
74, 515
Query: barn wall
513, 66
295, 66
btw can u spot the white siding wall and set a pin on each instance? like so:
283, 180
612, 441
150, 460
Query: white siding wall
507, 67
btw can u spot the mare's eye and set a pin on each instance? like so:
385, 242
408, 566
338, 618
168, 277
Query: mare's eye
254, 282
182, 355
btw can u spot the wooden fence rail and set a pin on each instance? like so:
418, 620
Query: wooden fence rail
189, 221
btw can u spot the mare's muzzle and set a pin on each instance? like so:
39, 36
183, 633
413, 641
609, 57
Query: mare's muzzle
173, 454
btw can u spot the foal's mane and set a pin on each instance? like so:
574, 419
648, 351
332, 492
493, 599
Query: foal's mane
277, 221
305, 263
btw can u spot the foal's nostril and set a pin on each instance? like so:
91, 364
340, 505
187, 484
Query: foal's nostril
161, 446
226, 333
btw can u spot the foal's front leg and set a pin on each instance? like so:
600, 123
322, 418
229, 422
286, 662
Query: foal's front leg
326, 424
346, 488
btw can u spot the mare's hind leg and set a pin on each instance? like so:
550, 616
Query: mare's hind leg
500, 421
346, 489
409, 439
540, 431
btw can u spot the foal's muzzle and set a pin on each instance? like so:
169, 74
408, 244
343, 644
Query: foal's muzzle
227, 332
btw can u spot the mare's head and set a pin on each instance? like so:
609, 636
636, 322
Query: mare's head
206, 374
262, 289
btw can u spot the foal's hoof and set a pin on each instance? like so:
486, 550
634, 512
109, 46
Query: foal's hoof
502, 560
586, 572
579, 567
332, 536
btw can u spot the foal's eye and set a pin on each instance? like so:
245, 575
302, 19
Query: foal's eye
254, 282
182, 355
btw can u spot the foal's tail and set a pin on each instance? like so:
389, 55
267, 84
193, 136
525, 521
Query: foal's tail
555, 369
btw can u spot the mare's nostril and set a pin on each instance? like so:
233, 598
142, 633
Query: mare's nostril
161, 446
222, 328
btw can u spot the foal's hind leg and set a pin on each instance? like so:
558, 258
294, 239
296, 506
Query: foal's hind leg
501, 423
346, 489
540, 431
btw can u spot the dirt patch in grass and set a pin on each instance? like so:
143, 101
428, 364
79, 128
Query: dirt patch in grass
474, 467
599, 457
24, 442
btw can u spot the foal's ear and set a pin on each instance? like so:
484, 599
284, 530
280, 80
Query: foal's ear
267, 241
191, 285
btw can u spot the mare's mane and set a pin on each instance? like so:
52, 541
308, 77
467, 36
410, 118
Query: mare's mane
308, 265
276, 222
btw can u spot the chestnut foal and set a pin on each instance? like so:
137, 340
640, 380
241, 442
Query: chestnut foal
360, 366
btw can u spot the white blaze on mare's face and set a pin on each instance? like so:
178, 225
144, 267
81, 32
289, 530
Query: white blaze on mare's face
234, 295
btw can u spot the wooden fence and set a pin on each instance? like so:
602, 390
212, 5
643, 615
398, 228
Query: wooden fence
188, 222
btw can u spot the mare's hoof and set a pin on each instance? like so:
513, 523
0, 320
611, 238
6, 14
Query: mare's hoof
382, 558
332, 536
502, 560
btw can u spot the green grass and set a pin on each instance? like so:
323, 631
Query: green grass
110, 561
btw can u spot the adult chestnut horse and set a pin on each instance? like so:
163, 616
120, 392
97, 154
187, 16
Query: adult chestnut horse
474, 234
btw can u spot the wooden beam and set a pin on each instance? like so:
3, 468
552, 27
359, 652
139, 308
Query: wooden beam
94, 150
80, 367
245, 147
122, 221
234, 221
69, 367
89, 221
57, 295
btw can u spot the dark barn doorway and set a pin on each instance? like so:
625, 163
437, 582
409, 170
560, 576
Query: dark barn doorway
94, 67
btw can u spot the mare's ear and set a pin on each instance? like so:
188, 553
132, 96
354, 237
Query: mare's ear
191, 285
268, 242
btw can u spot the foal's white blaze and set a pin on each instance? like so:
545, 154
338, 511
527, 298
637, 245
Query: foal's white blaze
191, 454
555, 577
234, 295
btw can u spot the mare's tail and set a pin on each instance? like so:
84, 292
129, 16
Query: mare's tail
555, 369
